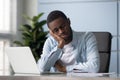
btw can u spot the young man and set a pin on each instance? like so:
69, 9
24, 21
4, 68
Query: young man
66, 50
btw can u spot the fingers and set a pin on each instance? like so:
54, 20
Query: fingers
60, 67
54, 35
51, 32
60, 40
58, 63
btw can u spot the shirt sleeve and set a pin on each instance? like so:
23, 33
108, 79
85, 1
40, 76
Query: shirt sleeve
49, 56
90, 52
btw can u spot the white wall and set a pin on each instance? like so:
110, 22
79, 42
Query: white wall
30, 7
20, 7
27, 7
89, 15
119, 36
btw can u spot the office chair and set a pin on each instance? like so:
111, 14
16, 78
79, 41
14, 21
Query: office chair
104, 47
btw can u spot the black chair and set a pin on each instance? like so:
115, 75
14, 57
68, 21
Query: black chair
104, 40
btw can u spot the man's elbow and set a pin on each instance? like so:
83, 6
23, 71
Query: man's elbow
95, 69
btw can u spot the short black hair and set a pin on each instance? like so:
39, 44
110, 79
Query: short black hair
55, 15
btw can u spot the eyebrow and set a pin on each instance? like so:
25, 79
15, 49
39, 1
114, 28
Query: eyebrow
58, 26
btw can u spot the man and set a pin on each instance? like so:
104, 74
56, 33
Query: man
66, 50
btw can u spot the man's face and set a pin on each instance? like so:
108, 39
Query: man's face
61, 27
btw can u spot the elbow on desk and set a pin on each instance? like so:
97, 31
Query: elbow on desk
95, 69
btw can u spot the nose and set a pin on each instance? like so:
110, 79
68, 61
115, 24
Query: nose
60, 31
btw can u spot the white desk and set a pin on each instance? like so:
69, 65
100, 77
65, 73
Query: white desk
56, 77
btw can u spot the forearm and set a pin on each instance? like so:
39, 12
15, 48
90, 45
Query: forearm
92, 66
48, 61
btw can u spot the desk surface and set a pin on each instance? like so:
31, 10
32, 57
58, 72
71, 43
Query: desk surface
56, 77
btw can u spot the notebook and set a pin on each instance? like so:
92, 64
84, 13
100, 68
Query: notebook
22, 60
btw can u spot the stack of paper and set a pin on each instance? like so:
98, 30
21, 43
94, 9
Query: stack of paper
88, 74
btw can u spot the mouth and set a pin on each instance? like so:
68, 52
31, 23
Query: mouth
64, 36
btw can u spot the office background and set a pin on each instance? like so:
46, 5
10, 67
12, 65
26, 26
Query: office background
91, 15
85, 15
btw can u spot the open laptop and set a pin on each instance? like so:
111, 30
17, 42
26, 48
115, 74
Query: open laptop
22, 60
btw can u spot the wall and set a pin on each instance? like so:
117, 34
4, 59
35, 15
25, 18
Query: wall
118, 16
30, 7
90, 15
20, 7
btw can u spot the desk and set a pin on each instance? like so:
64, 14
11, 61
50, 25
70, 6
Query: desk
55, 77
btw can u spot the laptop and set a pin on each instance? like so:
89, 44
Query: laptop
22, 60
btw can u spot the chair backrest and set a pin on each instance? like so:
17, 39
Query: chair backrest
104, 40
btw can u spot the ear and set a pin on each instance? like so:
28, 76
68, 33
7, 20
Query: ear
68, 21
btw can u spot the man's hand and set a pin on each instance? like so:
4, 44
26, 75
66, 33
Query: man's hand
59, 66
61, 41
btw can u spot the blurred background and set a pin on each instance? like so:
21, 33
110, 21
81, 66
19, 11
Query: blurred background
85, 15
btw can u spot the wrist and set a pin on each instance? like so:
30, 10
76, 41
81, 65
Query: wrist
64, 69
61, 45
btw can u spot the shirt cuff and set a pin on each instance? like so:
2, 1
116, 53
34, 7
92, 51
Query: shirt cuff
60, 50
69, 68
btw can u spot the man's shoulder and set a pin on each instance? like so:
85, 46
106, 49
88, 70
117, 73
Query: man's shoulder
50, 39
89, 34
82, 33
78, 33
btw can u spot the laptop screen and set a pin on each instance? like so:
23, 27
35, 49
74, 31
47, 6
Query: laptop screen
22, 60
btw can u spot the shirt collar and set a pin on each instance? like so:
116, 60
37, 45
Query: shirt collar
74, 40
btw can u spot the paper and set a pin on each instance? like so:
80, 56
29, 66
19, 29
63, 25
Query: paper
88, 74
78, 71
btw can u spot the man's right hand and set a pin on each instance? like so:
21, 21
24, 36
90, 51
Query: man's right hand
61, 41
59, 66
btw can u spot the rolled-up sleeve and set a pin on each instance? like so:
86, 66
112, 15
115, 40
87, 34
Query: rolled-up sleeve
49, 56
